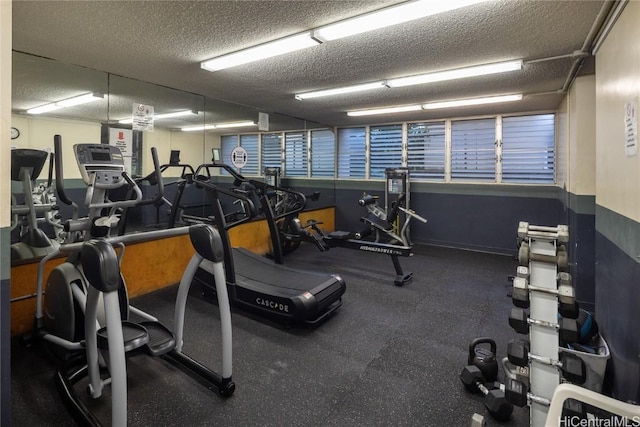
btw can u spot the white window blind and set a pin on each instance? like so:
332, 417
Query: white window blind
386, 149
227, 144
473, 156
271, 150
295, 144
528, 149
250, 143
351, 152
426, 147
323, 145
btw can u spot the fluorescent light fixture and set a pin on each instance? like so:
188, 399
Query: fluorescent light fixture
340, 90
386, 110
235, 124
182, 113
394, 15
80, 99
69, 102
472, 101
196, 128
436, 105
459, 73
44, 108
218, 126
256, 53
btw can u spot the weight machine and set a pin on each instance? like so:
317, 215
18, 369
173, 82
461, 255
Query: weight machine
386, 229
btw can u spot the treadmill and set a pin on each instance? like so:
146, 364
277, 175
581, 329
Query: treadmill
256, 283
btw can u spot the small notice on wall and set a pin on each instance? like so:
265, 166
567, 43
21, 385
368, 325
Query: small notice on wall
263, 121
142, 117
631, 128
123, 139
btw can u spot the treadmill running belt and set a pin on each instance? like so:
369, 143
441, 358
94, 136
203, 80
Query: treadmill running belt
260, 269
276, 291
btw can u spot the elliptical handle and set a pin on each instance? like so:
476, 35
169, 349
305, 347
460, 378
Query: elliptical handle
57, 151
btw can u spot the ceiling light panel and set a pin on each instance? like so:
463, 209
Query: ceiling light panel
386, 110
341, 90
256, 53
81, 99
472, 101
458, 73
44, 108
394, 15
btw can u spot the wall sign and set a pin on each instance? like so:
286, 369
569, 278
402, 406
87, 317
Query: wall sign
631, 128
239, 157
142, 117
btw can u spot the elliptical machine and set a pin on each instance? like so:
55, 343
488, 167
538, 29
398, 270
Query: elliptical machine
26, 165
85, 315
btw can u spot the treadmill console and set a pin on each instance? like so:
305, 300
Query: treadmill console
103, 161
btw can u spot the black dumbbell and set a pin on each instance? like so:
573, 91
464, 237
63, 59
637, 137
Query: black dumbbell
567, 328
516, 393
494, 398
572, 367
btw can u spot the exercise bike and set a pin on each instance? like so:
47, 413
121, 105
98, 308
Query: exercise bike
85, 317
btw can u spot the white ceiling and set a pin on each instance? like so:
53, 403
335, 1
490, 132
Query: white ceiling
163, 42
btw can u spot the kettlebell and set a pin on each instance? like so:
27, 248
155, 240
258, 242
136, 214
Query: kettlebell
484, 358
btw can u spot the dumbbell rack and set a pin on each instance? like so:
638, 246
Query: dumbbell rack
542, 254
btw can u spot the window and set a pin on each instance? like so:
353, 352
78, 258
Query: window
250, 144
385, 149
323, 146
295, 145
473, 151
271, 151
352, 152
528, 149
227, 144
426, 150
498, 149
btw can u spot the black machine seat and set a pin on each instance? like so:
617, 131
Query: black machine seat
283, 293
340, 235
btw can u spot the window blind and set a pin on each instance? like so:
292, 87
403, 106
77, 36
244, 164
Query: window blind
352, 152
528, 149
322, 153
473, 156
426, 147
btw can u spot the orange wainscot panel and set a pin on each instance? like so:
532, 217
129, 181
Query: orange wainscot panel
146, 266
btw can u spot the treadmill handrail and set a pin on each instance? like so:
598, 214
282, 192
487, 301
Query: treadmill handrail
262, 186
217, 189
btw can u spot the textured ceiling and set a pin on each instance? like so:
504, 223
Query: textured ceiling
163, 42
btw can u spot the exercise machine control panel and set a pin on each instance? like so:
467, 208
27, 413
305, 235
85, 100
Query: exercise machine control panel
100, 165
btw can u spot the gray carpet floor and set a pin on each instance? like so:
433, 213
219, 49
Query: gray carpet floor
390, 356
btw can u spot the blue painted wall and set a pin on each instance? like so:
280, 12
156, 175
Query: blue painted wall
617, 295
5, 328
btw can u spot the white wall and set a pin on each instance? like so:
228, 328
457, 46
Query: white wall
582, 137
562, 144
5, 110
617, 83
38, 132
